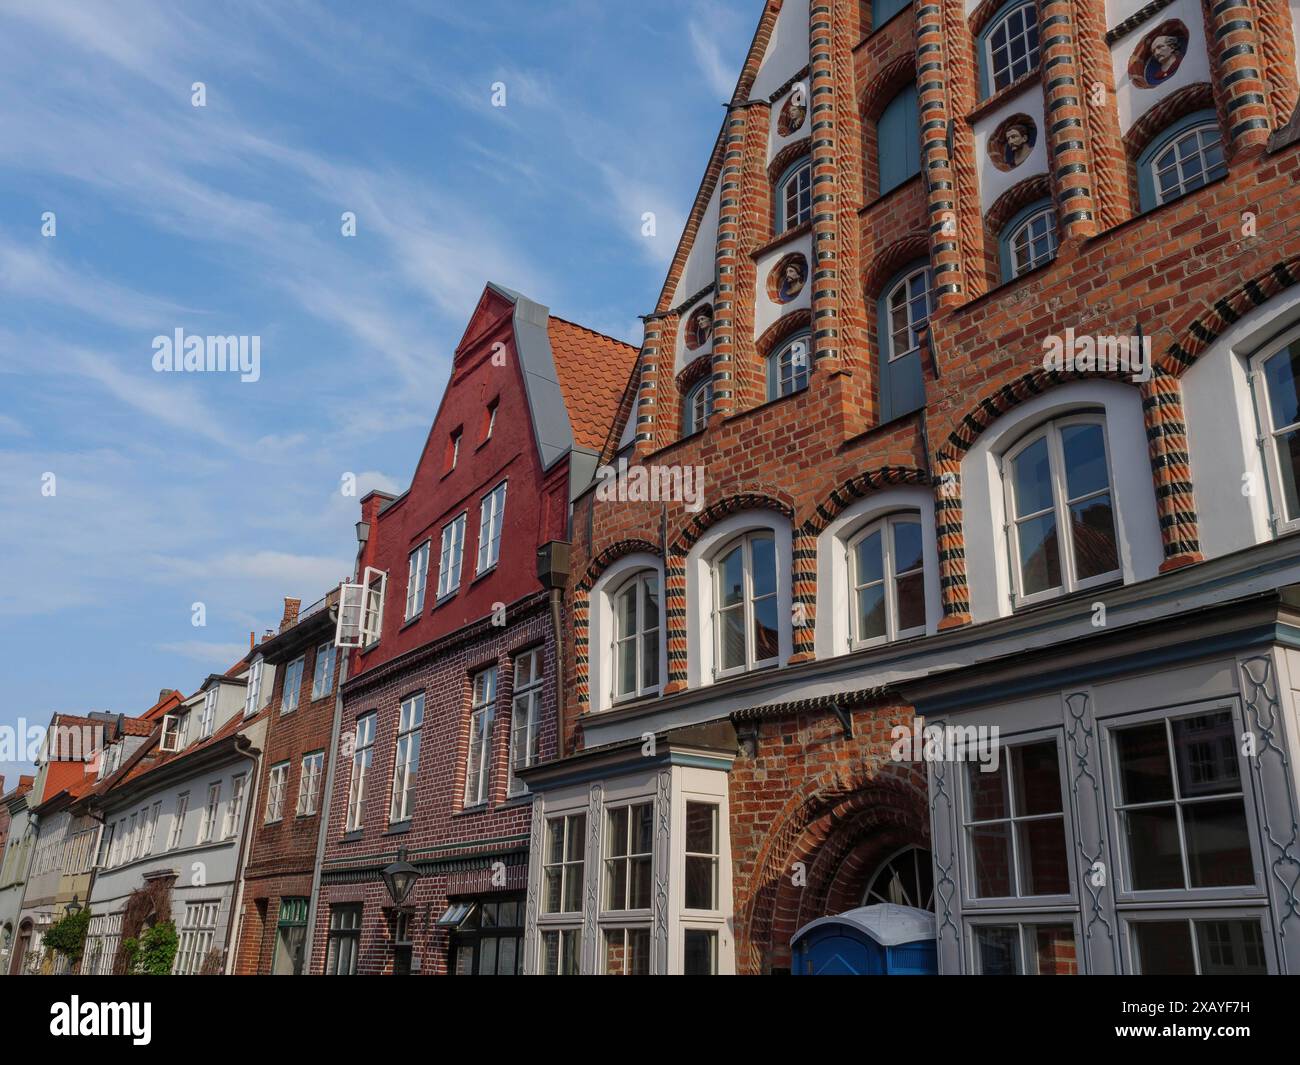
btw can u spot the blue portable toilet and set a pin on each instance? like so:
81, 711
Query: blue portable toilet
880, 940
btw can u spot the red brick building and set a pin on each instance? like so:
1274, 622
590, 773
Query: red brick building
914, 502
452, 684
287, 832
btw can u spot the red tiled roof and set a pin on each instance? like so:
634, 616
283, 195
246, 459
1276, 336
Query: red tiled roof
593, 370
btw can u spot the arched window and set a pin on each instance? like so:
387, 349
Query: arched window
1009, 46
1029, 240
905, 879
787, 367
745, 621
1184, 157
903, 313
794, 196
1276, 378
887, 574
898, 140
697, 407
636, 636
1059, 505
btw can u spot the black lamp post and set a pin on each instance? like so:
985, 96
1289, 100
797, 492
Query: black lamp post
73, 908
400, 877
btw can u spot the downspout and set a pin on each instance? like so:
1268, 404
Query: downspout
331, 766
557, 626
245, 841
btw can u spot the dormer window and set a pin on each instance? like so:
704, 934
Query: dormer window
794, 196
253, 699
171, 733
208, 718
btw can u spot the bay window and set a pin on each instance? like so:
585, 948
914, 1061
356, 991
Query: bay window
628, 857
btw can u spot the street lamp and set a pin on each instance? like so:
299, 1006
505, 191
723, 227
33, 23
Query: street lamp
400, 877
73, 908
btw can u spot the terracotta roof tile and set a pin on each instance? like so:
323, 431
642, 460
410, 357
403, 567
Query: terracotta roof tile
593, 370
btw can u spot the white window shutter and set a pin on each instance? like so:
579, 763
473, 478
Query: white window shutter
347, 633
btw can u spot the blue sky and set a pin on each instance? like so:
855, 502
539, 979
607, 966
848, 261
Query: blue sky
172, 489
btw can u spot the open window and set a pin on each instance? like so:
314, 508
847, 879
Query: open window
171, 733
361, 611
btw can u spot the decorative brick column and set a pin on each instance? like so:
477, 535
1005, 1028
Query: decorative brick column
804, 593
824, 268
748, 384
954, 594
1064, 117
658, 380
731, 183
936, 163
1162, 408
1238, 78
1277, 46
675, 616
648, 385
1110, 186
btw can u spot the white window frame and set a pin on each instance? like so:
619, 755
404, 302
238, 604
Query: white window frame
451, 555
492, 512
885, 526
796, 186
323, 671
406, 759
1268, 436
363, 754
277, 782
746, 542
1031, 263
478, 759
291, 690
567, 867
636, 583
309, 783
230, 821
253, 698
208, 716
698, 406
714, 857
198, 928
417, 575
361, 610
785, 357
170, 740
208, 824
178, 820
1198, 131
526, 715
1061, 505
903, 285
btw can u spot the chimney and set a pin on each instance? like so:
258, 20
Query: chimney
252, 640
290, 619
164, 694
2, 784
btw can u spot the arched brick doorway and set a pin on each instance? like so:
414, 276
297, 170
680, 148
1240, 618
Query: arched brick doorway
822, 858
